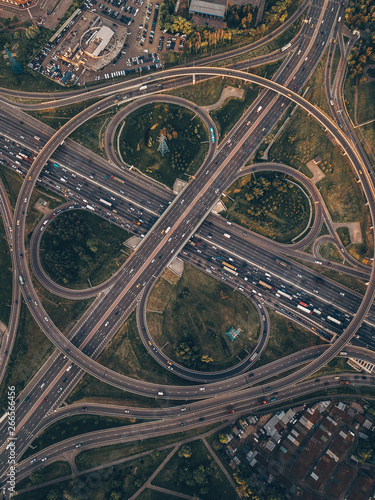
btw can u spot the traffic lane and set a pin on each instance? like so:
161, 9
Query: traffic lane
189, 420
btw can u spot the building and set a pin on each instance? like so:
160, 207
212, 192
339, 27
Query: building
16, 2
209, 8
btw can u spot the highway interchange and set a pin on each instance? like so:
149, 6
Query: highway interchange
186, 214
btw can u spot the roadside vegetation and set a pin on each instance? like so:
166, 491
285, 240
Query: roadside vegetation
186, 138
269, 204
48, 473
79, 249
330, 252
99, 456
120, 481
285, 338
192, 317
5, 276
25, 359
73, 426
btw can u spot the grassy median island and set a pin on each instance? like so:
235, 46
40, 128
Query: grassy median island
188, 320
79, 248
186, 138
269, 204
5, 276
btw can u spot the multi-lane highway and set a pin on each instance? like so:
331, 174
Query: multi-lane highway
170, 232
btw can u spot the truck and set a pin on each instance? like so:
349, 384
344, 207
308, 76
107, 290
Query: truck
226, 235
167, 230
36, 138
105, 202
89, 207
143, 87
285, 47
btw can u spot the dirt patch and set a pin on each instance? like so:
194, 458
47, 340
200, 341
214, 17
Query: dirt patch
227, 92
315, 170
354, 230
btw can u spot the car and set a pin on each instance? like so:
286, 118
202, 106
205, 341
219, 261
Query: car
59, 389
202, 388
78, 445
44, 459
182, 423
126, 411
45, 399
65, 379
45, 318
184, 408
33, 460
106, 323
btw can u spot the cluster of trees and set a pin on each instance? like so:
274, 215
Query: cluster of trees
360, 15
246, 488
365, 451
240, 20
194, 477
239, 16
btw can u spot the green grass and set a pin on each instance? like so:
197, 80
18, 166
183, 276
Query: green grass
329, 252
337, 365
231, 111
300, 142
57, 117
74, 426
316, 93
79, 248
196, 313
286, 337
91, 133
126, 354
100, 456
12, 183
335, 61
268, 204
369, 133
366, 104
212, 484
30, 350
205, 92
5, 276
124, 479
48, 473
344, 235
149, 494
186, 139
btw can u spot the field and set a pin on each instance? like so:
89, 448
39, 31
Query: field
186, 138
120, 481
205, 92
192, 317
50, 472
268, 204
79, 249
286, 337
196, 474
231, 111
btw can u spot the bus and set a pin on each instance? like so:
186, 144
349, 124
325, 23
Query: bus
212, 134
229, 265
89, 207
316, 311
304, 309
285, 47
21, 280
265, 285
334, 320
283, 294
232, 271
105, 202
281, 263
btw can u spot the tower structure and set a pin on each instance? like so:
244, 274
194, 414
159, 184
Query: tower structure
163, 148
17, 68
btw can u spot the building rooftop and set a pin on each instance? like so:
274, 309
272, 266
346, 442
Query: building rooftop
215, 8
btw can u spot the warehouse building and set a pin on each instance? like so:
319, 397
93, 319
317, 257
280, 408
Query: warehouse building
212, 8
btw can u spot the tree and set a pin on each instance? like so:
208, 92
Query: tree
36, 476
223, 438
185, 451
53, 495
